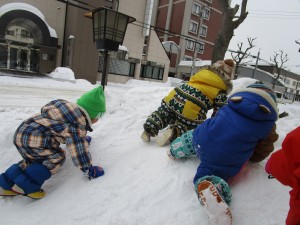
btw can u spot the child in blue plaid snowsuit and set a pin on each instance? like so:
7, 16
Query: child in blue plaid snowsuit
38, 141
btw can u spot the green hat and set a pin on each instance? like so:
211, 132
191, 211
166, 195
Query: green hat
93, 102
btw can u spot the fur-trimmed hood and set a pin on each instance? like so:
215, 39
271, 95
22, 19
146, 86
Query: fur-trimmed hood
225, 76
263, 98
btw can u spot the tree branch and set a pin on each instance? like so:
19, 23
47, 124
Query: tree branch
243, 14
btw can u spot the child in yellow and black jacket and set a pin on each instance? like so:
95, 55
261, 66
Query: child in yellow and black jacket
186, 106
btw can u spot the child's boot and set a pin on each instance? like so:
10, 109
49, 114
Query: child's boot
165, 137
215, 206
35, 195
6, 180
30, 182
4, 192
182, 146
145, 136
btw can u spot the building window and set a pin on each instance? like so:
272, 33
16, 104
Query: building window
190, 45
196, 9
201, 47
152, 72
51, 57
121, 54
294, 83
187, 58
118, 67
145, 47
287, 81
20, 34
10, 32
3, 56
206, 14
193, 27
25, 33
203, 31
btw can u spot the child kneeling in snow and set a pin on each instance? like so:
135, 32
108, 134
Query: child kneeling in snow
284, 165
240, 131
38, 141
186, 106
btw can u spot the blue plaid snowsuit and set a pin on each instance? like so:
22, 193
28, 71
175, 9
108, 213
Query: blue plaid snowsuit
38, 138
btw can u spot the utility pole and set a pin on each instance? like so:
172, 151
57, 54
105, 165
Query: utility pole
198, 38
298, 42
296, 91
257, 58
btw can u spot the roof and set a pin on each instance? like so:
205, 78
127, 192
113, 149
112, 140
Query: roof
284, 72
197, 63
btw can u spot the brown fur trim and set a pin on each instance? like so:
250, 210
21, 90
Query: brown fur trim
221, 74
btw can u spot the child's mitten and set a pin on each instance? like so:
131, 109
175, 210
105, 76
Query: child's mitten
93, 172
88, 139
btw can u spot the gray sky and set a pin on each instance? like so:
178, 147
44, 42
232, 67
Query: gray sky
276, 25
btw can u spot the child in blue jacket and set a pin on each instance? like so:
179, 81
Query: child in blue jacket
38, 141
240, 131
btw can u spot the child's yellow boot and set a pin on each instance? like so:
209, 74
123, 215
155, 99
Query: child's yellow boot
35, 195
4, 192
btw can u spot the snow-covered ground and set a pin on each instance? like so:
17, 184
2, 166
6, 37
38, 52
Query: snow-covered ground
141, 185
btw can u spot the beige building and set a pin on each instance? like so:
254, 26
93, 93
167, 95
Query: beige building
36, 36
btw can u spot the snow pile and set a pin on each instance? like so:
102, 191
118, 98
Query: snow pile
63, 74
141, 185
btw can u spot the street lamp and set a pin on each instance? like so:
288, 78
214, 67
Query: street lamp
109, 28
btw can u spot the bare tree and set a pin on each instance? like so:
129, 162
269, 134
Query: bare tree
298, 42
239, 55
279, 59
229, 23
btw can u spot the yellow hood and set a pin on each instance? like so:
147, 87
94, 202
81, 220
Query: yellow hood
208, 83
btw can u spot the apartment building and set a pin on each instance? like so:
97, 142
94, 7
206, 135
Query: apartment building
287, 87
36, 36
192, 27
292, 84
291, 81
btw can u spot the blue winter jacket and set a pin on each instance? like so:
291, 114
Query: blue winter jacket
225, 142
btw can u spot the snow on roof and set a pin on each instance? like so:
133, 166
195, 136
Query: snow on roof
197, 63
23, 6
123, 48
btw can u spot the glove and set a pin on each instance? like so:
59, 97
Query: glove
88, 139
93, 172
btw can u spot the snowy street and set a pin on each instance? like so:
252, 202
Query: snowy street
22, 96
141, 184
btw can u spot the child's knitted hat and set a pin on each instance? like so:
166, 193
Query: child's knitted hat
93, 102
225, 67
264, 88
